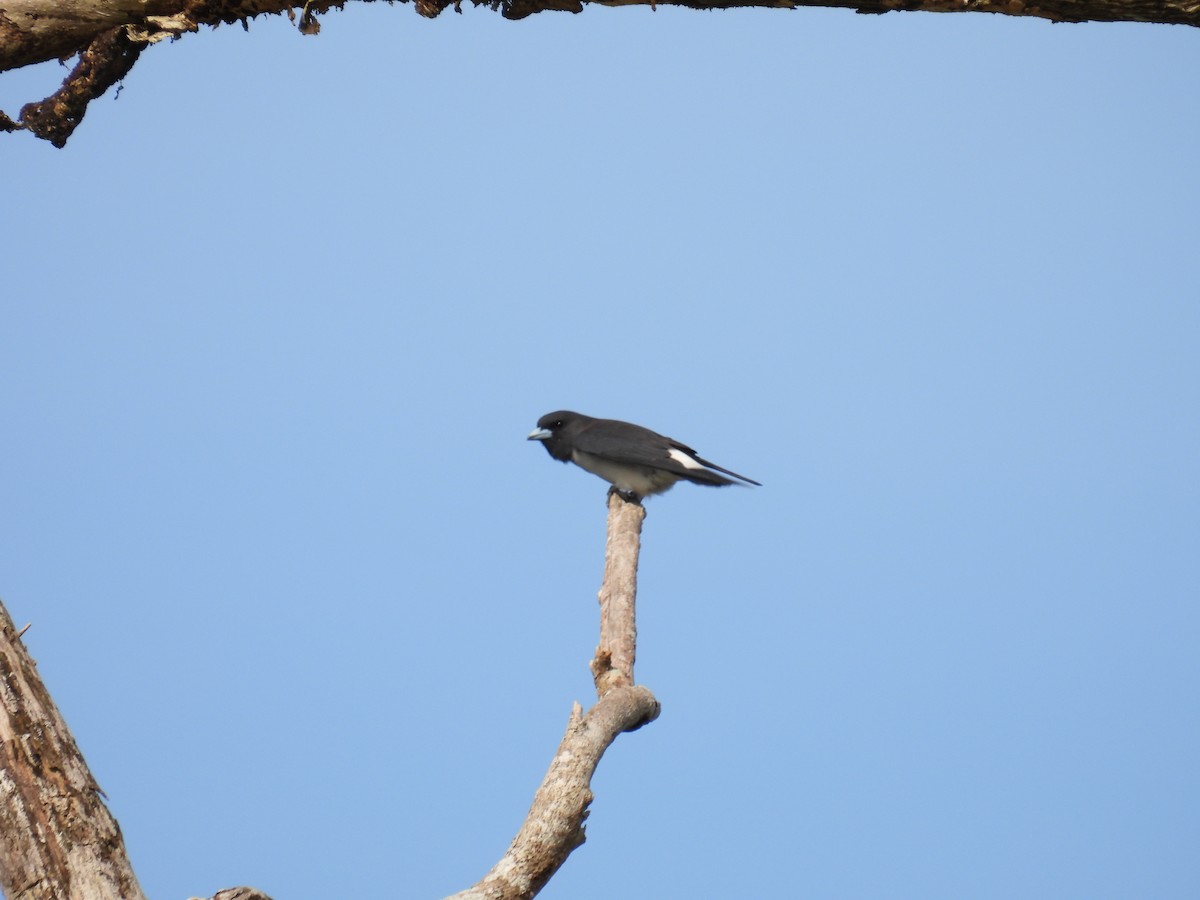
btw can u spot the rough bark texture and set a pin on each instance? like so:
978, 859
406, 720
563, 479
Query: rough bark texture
106, 61
57, 838
554, 825
109, 34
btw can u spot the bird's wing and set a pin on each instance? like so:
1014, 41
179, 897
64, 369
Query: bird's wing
631, 444
626, 443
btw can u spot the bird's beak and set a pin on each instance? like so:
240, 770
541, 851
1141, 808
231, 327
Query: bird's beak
538, 434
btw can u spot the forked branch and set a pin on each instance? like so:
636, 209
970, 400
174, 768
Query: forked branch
554, 824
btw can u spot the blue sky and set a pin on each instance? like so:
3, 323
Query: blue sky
277, 321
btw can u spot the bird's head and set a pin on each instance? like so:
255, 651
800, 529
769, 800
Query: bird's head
554, 430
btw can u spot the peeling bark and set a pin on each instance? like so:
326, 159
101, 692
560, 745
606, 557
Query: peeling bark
111, 33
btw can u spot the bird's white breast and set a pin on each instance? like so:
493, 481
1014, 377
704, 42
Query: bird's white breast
641, 480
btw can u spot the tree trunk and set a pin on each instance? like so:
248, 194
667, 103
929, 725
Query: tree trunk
58, 841
57, 838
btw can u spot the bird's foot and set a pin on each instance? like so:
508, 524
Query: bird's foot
627, 496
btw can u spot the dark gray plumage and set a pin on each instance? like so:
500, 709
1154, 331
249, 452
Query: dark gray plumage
635, 460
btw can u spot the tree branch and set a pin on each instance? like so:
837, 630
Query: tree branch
613, 664
111, 33
554, 825
106, 61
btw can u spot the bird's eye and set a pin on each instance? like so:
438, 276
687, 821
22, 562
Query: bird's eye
557, 423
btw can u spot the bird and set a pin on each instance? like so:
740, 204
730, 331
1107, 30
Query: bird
636, 461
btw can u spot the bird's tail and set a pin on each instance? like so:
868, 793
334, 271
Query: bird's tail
702, 477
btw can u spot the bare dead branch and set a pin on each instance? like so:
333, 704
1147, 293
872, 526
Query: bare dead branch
554, 825
113, 32
106, 61
613, 664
